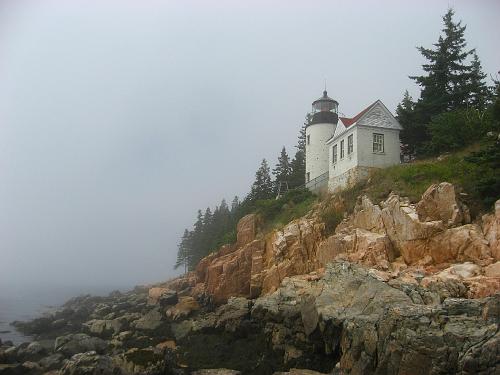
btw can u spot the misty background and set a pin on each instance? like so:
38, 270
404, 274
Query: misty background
119, 119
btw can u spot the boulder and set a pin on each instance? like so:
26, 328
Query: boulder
106, 328
439, 202
464, 243
162, 296
218, 371
407, 233
367, 216
79, 343
491, 230
89, 363
141, 361
183, 308
150, 321
52, 362
493, 270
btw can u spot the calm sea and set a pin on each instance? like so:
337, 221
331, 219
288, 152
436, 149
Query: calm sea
25, 303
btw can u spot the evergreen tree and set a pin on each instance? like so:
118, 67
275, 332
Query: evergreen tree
446, 83
414, 133
283, 170
479, 93
298, 163
184, 251
234, 204
262, 188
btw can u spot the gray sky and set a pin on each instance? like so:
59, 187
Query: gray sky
119, 119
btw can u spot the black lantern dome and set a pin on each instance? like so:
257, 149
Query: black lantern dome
325, 110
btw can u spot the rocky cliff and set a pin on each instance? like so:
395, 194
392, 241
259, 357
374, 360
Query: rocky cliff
398, 288
425, 243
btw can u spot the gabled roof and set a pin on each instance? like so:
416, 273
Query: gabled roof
349, 121
346, 123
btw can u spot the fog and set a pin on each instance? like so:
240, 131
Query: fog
119, 119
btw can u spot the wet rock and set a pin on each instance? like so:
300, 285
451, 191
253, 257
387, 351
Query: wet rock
185, 307
89, 363
162, 296
51, 362
149, 322
79, 343
219, 371
142, 361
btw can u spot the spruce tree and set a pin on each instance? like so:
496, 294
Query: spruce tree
235, 204
184, 251
445, 85
298, 163
479, 93
414, 133
262, 188
283, 170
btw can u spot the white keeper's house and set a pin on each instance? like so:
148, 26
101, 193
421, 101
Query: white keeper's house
341, 151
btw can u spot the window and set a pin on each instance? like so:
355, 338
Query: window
350, 145
308, 139
308, 176
342, 149
334, 154
378, 143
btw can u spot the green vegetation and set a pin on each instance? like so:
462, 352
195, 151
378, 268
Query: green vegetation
278, 212
456, 107
475, 171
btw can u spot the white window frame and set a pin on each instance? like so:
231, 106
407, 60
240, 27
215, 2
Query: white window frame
308, 139
334, 154
378, 143
350, 144
342, 149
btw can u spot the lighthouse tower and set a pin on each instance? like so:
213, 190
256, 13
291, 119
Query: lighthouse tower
320, 129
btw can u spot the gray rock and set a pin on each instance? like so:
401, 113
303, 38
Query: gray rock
151, 321
218, 371
142, 361
89, 363
51, 362
79, 343
168, 298
372, 328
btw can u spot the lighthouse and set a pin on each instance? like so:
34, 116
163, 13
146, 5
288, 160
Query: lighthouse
318, 132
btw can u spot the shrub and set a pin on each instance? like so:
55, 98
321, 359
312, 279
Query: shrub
456, 129
331, 217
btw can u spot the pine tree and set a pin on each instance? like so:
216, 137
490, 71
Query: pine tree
235, 204
414, 133
184, 251
262, 188
298, 163
445, 86
479, 93
283, 170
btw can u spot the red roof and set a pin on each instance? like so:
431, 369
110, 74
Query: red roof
349, 121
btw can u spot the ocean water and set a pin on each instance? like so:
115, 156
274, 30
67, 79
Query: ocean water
29, 302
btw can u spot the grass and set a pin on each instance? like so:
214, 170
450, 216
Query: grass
412, 179
276, 213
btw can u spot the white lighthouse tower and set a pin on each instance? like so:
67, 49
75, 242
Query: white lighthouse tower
318, 132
